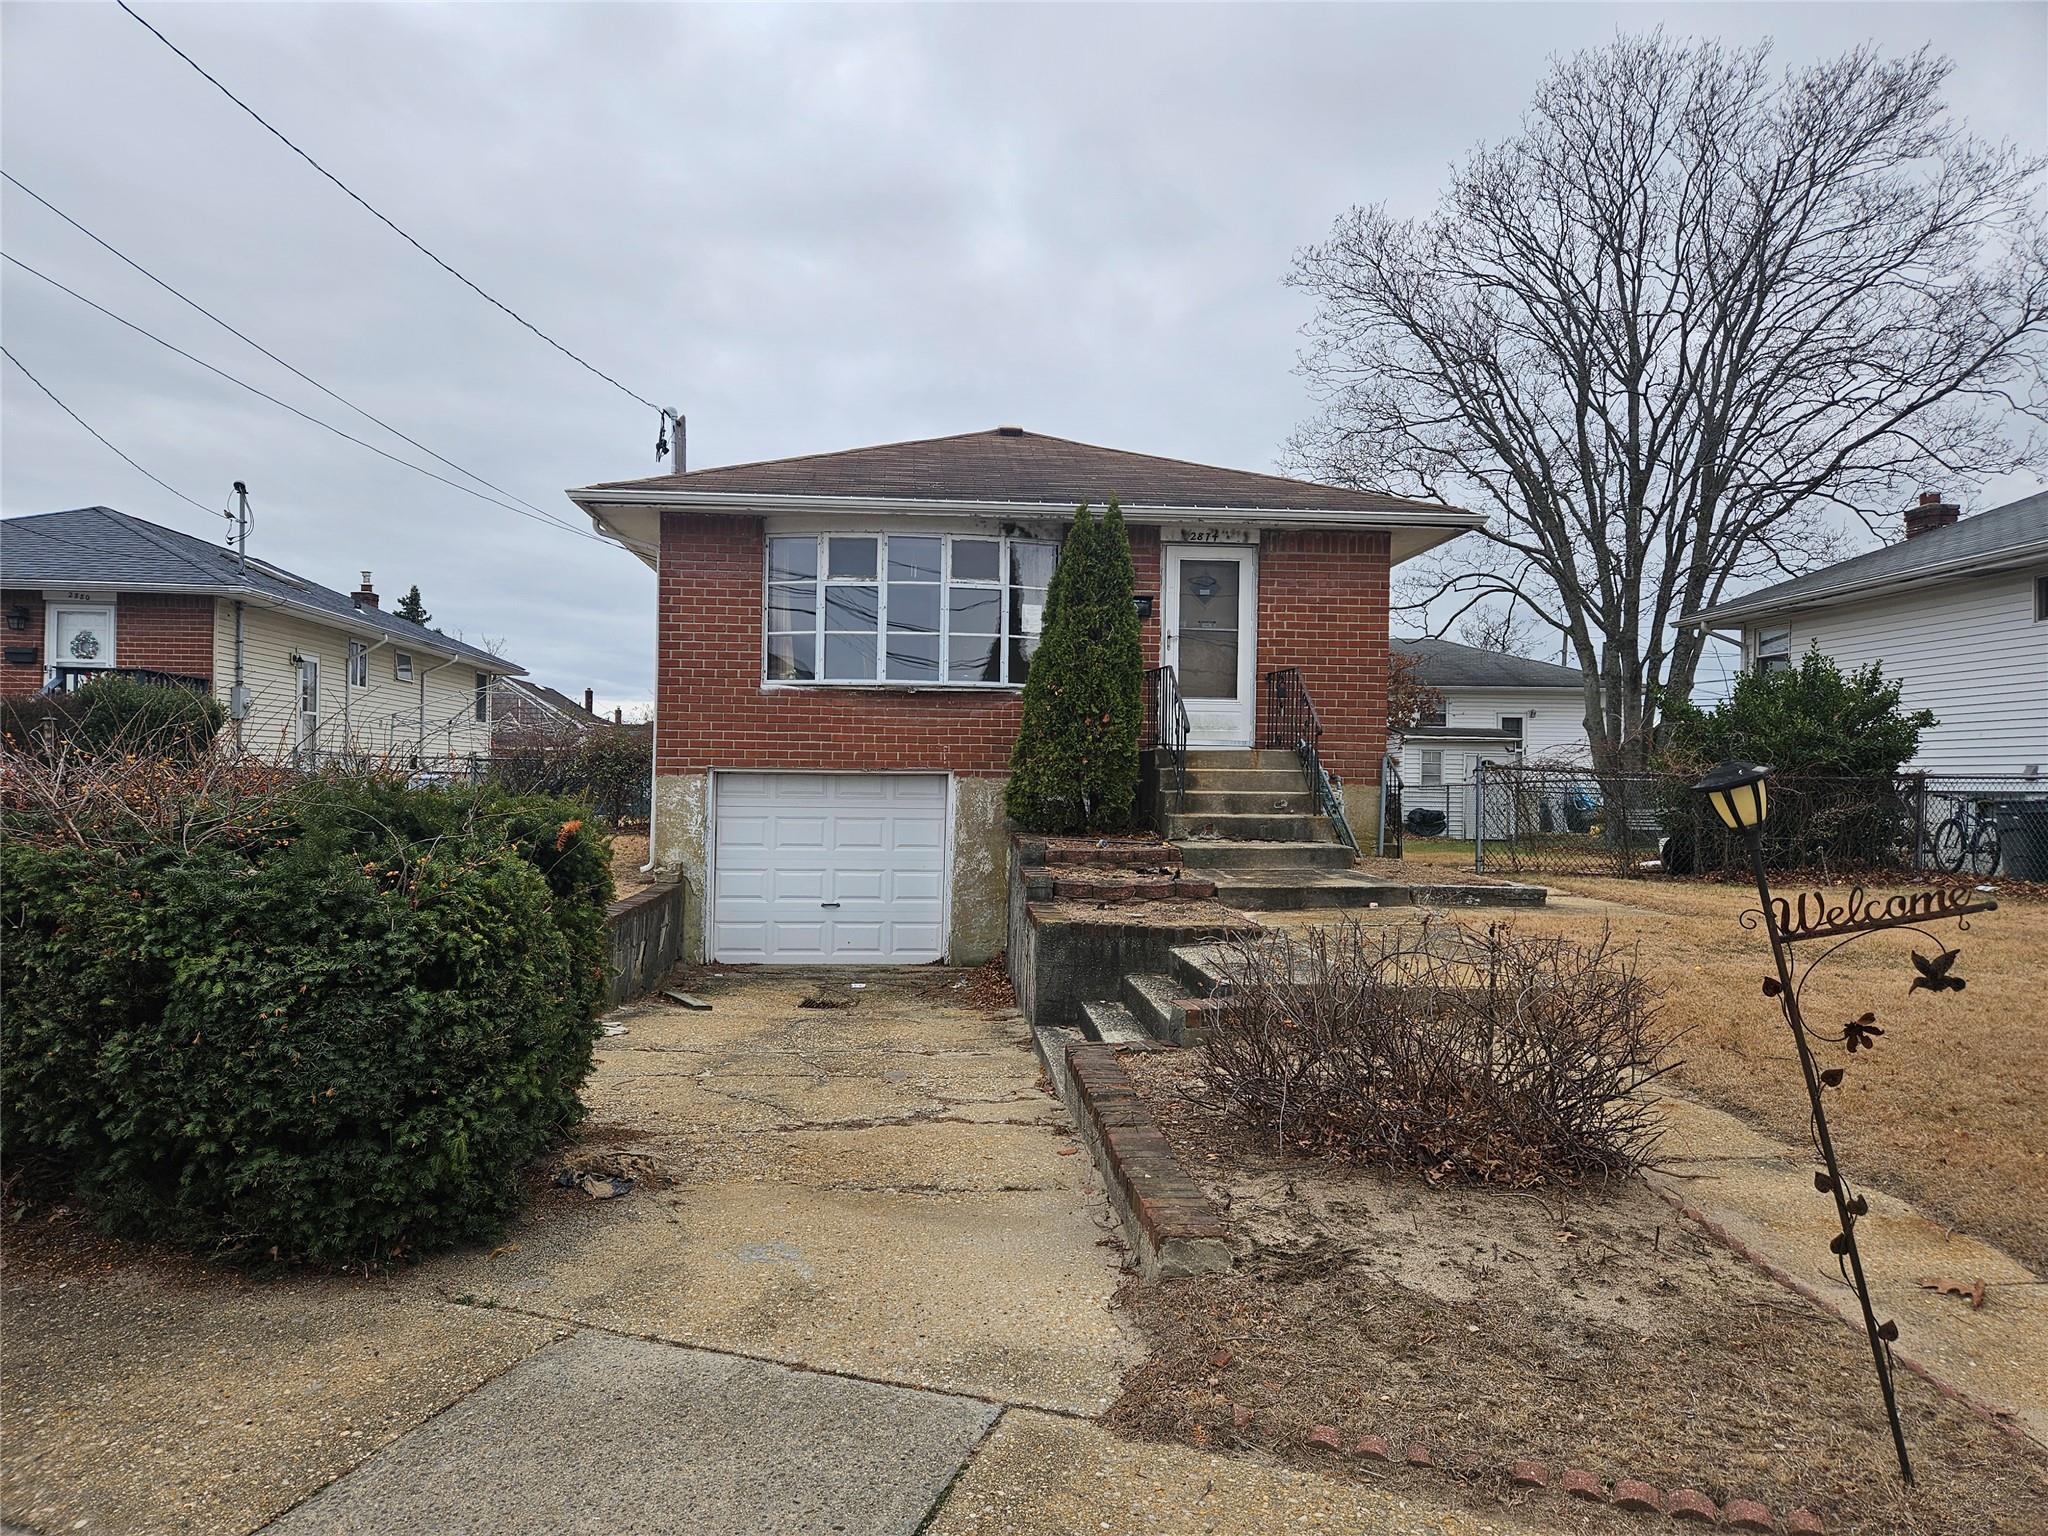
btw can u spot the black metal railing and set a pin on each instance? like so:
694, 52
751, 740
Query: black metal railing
1167, 723
71, 679
1292, 722
1388, 843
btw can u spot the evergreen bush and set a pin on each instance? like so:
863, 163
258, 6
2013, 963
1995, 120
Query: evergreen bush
334, 1028
1074, 767
119, 713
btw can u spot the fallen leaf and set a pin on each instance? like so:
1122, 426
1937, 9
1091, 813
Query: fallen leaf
1973, 1290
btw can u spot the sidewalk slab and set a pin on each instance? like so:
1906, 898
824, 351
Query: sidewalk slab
604, 1433
1044, 1476
1758, 1194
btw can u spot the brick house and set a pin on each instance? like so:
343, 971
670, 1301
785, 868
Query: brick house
842, 639
306, 673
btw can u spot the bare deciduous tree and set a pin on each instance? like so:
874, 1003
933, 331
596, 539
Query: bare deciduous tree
1693, 307
1496, 629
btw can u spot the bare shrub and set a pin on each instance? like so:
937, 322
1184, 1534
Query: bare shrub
1475, 1055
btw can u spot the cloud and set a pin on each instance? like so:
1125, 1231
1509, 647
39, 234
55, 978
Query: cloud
810, 228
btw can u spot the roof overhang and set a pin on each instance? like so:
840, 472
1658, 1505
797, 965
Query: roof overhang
634, 517
1762, 605
482, 661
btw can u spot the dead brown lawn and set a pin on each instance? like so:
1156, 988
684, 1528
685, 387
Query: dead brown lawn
1948, 1111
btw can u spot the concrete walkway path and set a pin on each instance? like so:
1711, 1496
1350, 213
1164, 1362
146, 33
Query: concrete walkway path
867, 1289
1757, 1194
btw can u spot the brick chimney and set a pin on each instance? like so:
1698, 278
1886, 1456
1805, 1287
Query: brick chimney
1930, 514
589, 698
366, 594
618, 714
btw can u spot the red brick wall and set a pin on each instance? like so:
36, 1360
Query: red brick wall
20, 679
711, 708
1322, 607
166, 632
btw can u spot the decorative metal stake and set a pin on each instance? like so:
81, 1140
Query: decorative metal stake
1737, 793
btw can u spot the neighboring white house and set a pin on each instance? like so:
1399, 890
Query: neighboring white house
1957, 614
1497, 708
307, 673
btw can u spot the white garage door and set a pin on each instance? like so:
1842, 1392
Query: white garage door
845, 868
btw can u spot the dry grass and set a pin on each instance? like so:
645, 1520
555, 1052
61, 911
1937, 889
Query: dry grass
628, 854
1947, 1111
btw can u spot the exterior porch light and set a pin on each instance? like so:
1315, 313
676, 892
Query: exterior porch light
17, 617
1736, 792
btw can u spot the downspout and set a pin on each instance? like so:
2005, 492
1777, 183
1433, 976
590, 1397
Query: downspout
238, 696
654, 721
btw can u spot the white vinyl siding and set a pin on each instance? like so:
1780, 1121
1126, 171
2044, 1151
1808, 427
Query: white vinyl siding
380, 719
1968, 650
1553, 720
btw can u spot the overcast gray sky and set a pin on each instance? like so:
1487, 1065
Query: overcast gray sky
810, 228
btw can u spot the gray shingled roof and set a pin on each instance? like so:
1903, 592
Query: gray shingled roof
1011, 465
1446, 664
1966, 547
97, 547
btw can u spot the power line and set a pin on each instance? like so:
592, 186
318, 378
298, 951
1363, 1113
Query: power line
384, 220
302, 415
300, 373
39, 384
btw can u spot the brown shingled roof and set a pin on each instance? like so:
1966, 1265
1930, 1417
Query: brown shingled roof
1012, 465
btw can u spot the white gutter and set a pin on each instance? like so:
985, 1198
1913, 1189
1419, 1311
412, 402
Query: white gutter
914, 506
1742, 609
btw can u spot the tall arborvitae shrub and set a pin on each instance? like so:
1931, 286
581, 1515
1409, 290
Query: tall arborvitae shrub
1075, 764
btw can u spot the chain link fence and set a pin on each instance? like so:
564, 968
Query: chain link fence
1536, 819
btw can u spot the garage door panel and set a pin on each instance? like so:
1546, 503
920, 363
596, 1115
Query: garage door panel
917, 885
870, 845
860, 884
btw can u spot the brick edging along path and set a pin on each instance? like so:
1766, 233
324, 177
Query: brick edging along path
1170, 1223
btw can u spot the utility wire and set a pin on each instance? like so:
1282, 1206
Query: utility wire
17, 183
302, 415
39, 384
385, 221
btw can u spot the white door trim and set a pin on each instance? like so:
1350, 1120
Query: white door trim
1216, 723
707, 920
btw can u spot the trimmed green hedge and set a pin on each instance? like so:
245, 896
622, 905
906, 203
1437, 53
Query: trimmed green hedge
339, 1038
125, 713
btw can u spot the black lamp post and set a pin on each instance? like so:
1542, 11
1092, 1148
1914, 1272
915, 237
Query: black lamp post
1738, 794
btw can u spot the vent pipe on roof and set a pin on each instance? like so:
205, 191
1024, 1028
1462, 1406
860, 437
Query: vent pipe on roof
1931, 513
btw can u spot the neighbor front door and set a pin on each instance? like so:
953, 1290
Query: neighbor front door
1209, 638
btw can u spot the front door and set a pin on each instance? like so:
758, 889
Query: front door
1209, 629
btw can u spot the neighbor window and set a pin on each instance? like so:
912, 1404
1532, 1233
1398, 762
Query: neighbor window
401, 665
483, 695
1512, 724
905, 607
358, 664
1432, 767
2041, 599
1774, 650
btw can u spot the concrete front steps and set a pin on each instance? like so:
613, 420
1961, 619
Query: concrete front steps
1161, 1008
1248, 820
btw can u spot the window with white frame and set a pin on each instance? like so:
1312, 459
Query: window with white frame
483, 696
1432, 766
401, 666
358, 664
1774, 649
1512, 724
964, 610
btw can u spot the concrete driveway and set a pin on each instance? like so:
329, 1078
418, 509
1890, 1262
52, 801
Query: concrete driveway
864, 1285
